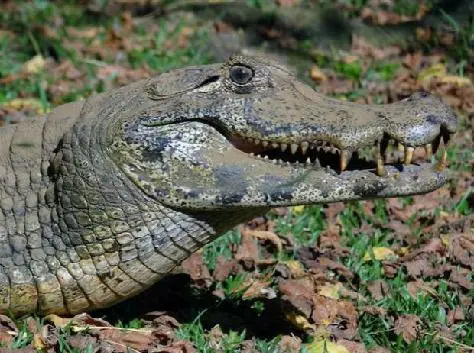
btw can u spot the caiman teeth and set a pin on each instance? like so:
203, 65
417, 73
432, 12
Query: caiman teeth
293, 148
304, 147
408, 155
324, 154
343, 160
380, 152
428, 151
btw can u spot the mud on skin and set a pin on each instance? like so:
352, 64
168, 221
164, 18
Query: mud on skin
110, 194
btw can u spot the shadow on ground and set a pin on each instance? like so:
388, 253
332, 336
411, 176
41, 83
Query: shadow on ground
176, 296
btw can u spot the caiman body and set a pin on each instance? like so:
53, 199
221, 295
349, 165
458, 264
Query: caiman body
103, 197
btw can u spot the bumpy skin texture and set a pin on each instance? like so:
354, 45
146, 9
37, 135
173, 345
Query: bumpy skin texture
102, 198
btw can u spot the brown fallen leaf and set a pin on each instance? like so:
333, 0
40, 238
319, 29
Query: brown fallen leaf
224, 268
419, 286
352, 347
317, 75
339, 316
379, 350
408, 326
455, 315
248, 249
268, 235
291, 269
259, 289
461, 249
378, 289
197, 270
124, 339
299, 293
461, 277
81, 342
178, 347
290, 344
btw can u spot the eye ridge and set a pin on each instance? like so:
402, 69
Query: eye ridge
241, 74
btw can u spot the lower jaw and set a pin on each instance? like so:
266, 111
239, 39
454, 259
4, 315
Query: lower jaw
402, 180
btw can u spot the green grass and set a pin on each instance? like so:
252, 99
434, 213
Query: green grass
151, 53
231, 342
377, 330
221, 247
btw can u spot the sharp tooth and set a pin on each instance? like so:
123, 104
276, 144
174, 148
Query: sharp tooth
444, 156
257, 141
317, 163
308, 161
400, 147
259, 156
265, 143
275, 161
380, 166
428, 151
266, 157
283, 147
294, 148
408, 154
443, 162
274, 145
343, 160
304, 147
252, 154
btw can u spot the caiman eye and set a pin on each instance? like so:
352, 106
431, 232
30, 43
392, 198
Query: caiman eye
240, 74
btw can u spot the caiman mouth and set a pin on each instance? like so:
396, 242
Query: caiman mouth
319, 154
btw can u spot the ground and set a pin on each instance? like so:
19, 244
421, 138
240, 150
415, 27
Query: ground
390, 275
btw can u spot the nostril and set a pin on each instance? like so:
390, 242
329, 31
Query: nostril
424, 94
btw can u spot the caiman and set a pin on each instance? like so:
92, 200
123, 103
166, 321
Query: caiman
103, 197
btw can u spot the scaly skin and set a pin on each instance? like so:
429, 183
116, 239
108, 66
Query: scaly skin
102, 198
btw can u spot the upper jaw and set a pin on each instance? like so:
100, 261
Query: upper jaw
317, 153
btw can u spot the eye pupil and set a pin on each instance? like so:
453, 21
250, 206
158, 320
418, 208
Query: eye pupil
241, 74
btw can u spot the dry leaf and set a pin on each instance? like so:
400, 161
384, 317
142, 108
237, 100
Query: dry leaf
436, 70
297, 209
318, 76
295, 268
299, 321
380, 253
34, 65
325, 346
330, 290
407, 326
26, 104
258, 289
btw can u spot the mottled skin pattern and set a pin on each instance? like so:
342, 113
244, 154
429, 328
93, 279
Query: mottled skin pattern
103, 197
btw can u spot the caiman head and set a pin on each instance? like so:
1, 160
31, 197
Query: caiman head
247, 133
